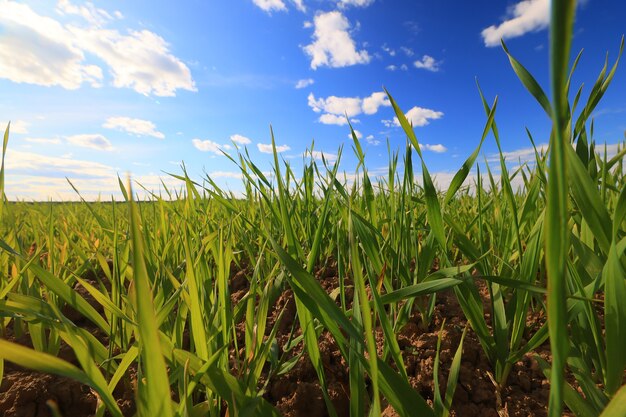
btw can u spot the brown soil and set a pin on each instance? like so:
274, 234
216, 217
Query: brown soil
25, 393
298, 392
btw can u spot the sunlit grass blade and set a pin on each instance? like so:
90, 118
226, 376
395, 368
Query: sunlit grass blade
442, 406
156, 400
617, 406
588, 199
615, 316
529, 82
462, 173
5, 142
225, 385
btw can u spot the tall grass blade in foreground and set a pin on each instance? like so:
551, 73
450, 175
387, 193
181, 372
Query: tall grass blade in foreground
556, 229
154, 391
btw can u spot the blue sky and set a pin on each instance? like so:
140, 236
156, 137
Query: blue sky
97, 89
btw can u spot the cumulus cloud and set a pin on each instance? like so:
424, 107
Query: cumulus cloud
242, 140
39, 50
137, 127
438, 148
17, 126
335, 108
428, 63
373, 102
270, 5
267, 148
140, 60
336, 105
333, 119
332, 44
418, 116
93, 141
209, 146
525, 16
304, 83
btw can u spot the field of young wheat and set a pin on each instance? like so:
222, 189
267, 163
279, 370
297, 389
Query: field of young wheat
312, 295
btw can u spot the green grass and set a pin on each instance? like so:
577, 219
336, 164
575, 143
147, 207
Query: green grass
554, 245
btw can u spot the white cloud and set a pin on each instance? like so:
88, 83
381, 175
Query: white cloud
209, 146
407, 51
39, 50
88, 11
404, 67
374, 101
428, 63
332, 45
33, 176
371, 140
18, 162
526, 16
44, 141
527, 155
391, 52
438, 148
391, 67
333, 119
418, 116
270, 5
336, 105
299, 5
267, 148
330, 157
242, 140
304, 83
93, 141
336, 108
18, 127
522, 155
137, 127
357, 3
358, 134
140, 60
226, 174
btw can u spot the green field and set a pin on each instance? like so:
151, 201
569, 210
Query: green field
199, 302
